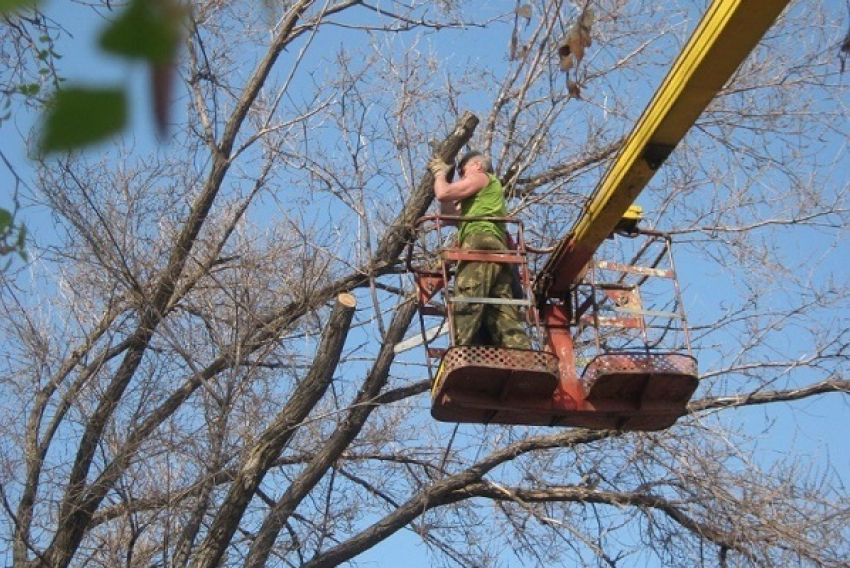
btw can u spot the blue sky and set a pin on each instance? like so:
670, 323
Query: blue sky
814, 428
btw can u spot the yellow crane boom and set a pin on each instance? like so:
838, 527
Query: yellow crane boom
727, 33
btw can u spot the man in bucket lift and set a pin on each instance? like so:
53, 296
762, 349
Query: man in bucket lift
479, 193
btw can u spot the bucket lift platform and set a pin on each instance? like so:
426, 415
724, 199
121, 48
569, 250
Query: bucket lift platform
614, 355
491, 385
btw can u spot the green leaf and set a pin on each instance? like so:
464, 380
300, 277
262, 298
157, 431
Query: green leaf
5, 220
22, 243
148, 29
12, 5
80, 116
29, 89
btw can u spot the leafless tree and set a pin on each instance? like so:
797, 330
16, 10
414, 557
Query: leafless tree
198, 365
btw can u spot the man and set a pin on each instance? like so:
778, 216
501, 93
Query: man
480, 194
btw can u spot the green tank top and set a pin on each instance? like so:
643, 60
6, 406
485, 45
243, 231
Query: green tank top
489, 202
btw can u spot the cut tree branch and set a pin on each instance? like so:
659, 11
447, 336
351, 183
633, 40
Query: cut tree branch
266, 451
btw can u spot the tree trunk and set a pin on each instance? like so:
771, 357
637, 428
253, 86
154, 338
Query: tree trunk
276, 436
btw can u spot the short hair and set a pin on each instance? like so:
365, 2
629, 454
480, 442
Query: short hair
485, 161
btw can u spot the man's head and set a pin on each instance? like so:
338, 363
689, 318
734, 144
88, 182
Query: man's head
474, 159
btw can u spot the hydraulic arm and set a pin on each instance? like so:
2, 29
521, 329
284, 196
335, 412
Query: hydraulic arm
727, 33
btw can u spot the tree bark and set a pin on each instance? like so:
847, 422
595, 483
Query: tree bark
278, 434
360, 411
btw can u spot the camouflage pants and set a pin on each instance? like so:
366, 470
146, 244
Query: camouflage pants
486, 324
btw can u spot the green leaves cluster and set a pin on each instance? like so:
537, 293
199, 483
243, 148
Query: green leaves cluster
146, 30
12, 236
7, 6
45, 58
76, 116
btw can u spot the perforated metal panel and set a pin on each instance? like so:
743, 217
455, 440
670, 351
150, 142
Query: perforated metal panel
497, 373
651, 382
500, 358
640, 363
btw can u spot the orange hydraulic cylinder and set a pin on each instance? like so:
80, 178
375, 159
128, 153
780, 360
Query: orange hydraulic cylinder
569, 395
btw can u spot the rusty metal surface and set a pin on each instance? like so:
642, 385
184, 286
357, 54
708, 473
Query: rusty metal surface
642, 270
500, 358
497, 372
651, 382
640, 363
472, 255
489, 385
